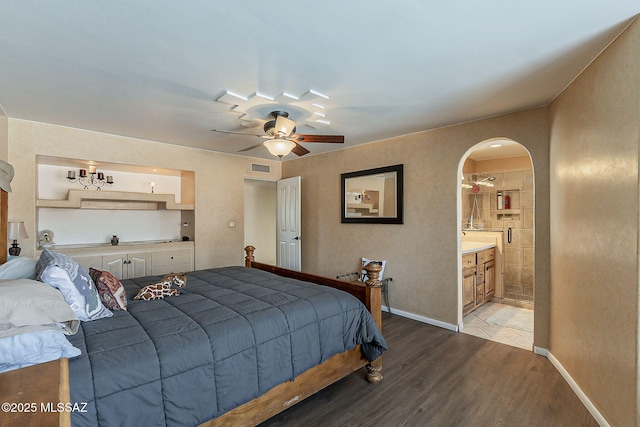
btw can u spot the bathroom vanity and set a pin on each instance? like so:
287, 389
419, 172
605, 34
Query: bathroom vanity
478, 274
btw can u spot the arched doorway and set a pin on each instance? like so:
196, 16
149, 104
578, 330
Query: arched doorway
496, 210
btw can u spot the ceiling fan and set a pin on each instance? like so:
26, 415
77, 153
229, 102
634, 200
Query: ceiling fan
282, 136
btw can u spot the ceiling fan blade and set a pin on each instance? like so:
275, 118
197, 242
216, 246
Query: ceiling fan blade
299, 150
338, 139
284, 126
237, 133
250, 148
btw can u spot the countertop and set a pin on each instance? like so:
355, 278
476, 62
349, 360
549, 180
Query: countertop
469, 247
106, 247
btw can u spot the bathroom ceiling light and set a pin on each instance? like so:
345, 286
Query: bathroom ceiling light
495, 145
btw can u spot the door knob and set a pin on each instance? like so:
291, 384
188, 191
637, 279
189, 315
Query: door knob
296, 238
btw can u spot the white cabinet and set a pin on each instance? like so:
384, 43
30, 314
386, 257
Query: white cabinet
137, 260
128, 266
173, 260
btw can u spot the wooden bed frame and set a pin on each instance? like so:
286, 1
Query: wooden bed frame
251, 413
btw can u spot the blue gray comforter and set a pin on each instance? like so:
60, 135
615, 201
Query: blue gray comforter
232, 335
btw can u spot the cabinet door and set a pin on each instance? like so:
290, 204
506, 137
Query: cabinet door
138, 264
88, 261
479, 294
468, 289
116, 265
490, 279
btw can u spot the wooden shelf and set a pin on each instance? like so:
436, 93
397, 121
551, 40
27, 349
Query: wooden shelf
506, 212
98, 199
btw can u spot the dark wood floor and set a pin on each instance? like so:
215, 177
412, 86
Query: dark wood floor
435, 377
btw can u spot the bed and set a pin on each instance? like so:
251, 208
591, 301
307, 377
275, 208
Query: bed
235, 348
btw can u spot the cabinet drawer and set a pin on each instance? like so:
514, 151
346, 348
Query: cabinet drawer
166, 269
486, 255
468, 260
171, 258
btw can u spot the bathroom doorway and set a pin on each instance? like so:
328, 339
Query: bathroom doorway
496, 205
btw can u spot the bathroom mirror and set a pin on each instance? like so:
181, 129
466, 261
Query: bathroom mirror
373, 196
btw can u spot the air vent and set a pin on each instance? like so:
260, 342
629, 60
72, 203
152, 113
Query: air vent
260, 168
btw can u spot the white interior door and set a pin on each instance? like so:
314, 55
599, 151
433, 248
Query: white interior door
289, 250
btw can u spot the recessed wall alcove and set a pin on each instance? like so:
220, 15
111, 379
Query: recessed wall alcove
132, 208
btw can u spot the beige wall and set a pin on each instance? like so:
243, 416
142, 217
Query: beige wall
594, 138
218, 180
422, 254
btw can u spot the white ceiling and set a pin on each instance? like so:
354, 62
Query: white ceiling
153, 69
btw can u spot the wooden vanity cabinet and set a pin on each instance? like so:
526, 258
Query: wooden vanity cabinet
469, 278
478, 279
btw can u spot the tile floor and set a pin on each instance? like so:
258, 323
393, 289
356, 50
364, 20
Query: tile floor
475, 323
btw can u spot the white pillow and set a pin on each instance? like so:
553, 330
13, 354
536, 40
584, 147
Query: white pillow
28, 305
64, 273
30, 348
18, 268
366, 261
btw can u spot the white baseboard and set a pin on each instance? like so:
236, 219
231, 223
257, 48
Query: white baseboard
423, 319
541, 351
577, 390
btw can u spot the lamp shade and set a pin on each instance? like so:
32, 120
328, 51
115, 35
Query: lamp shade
279, 147
284, 126
16, 230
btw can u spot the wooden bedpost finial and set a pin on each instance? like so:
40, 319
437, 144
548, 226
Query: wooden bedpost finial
374, 371
249, 258
373, 270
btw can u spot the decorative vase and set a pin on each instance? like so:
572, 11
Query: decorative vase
115, 240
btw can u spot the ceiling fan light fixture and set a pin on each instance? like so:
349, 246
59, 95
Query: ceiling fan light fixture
279, 147
284, 126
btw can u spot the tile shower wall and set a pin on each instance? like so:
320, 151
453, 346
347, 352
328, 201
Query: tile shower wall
518, 254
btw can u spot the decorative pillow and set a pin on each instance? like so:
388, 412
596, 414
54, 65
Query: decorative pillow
27, 349
111, 291
18, 268
64, 273
28, 305
366, 261
156, 291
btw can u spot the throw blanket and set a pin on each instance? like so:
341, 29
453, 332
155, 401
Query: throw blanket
233, 334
